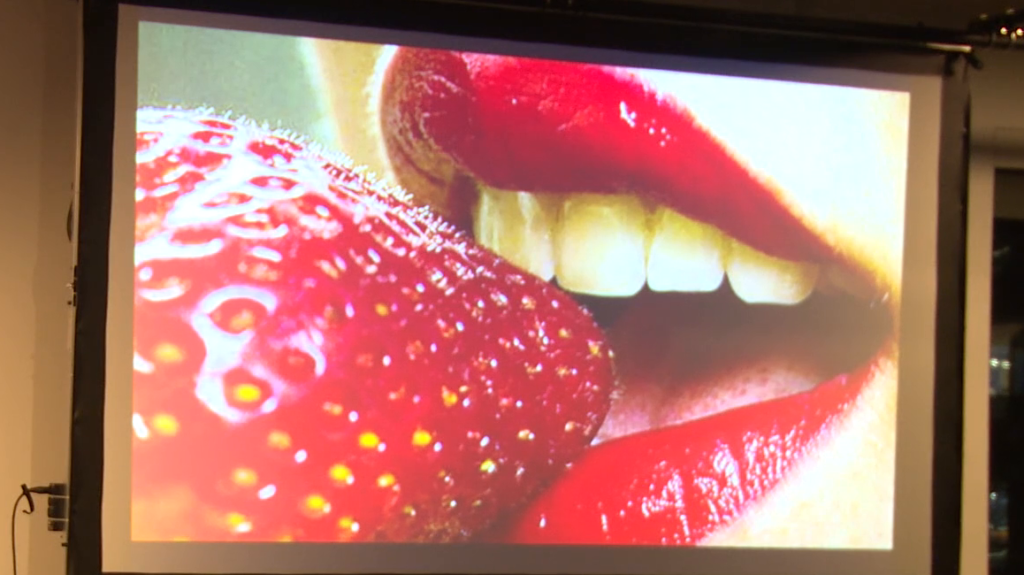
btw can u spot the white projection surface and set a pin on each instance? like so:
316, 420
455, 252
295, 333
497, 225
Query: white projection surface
394, 302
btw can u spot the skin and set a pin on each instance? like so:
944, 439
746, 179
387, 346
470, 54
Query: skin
841, 494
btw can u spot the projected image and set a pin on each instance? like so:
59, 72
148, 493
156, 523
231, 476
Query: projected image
437, 296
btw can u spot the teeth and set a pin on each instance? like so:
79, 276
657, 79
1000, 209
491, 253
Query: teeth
602, 245
757, 277
685, 255
609, 245
518, 226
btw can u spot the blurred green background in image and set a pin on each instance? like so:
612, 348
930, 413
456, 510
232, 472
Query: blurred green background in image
265, 77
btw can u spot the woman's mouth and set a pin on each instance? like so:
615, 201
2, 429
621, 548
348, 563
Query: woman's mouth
663, 344
743, 335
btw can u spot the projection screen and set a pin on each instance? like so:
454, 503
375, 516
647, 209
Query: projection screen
396, 302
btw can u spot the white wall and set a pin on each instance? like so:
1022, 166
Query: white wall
38, 68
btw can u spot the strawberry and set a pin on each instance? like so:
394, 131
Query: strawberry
319, 359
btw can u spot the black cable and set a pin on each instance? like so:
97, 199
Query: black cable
14, 539
25, 494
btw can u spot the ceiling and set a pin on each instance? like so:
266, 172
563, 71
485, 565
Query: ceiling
934, 13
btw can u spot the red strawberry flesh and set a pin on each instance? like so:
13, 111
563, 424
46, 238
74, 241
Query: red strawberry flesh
318, 359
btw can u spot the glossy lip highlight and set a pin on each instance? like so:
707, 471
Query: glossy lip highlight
668, 495
557, 119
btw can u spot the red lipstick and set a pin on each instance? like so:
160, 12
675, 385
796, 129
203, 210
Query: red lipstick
549, 126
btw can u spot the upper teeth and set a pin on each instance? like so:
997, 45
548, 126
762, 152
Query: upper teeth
685, 255
518, 225
600, 244
611, 245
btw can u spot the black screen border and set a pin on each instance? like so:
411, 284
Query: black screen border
641, 28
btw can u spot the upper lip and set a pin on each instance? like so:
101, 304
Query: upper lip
569, 127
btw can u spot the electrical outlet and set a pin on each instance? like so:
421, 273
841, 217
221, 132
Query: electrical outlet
58, 489
57, 507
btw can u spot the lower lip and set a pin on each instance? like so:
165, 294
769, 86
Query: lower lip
679, 484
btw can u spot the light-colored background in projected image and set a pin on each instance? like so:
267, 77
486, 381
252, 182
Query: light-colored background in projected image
832, 498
